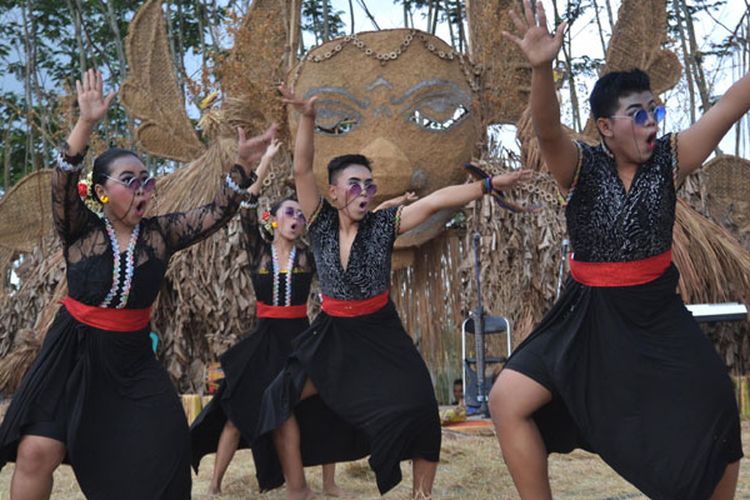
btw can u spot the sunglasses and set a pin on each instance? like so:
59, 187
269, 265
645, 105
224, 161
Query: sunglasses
357, 188
640, 118
135, 183
293, 212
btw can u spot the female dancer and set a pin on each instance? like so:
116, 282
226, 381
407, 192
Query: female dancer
619, 366
96, 393
356, 358
282, 271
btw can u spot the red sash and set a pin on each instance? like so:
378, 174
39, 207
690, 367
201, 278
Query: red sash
105, 318
635, 272
353, 308
284, 312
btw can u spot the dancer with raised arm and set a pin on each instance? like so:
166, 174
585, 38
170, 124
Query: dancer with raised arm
619, 366
96, 394
356, 360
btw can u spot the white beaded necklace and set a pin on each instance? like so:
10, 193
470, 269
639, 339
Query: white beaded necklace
276, 271
129, 265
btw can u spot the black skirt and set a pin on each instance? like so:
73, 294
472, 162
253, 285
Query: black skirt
635, 380
249, 367
375, 395
108, 399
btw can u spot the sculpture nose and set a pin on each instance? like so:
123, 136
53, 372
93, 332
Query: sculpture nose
391, 167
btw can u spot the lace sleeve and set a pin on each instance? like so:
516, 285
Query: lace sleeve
250, 237
69, 212
182, 229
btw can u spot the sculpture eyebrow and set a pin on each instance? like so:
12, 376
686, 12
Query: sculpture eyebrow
336, 91
454, 88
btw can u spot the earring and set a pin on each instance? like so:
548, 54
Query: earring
274, 224
104, 199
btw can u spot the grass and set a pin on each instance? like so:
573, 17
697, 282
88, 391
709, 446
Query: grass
470, 468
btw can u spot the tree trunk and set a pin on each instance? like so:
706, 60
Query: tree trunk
461, 32
686, 60
7, 150
114, 24
351, 15
599, 26
30, 157
326, 31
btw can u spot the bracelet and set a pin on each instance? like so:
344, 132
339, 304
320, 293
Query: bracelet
252, 202
487, 185
233, 185
66, 166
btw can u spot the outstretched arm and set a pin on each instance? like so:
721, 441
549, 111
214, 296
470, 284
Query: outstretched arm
540, 48
68, 211
696, 143
454, 197
304, 178
250, 236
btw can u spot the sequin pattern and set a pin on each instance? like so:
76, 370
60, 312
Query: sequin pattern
369, 269
608, 224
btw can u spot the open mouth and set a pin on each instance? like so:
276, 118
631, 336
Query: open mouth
651, 141
140, 208
294, 226
362, 204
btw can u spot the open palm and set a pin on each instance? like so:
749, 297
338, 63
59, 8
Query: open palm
539, 46
92, 103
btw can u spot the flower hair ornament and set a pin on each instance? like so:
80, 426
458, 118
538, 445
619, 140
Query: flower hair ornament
268, 225
86, 192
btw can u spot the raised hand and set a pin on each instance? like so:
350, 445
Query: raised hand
536, 42
249, 151
272, 149
92, 103
304, 106
507, 181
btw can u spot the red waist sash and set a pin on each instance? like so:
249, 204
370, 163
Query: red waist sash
105, 318
263, 310
353, 308
635, 272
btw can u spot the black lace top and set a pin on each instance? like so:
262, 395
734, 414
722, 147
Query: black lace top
368, 272
608, 224
261, 264
88, 251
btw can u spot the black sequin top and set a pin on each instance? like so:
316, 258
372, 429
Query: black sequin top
368, 272
608, 224
261, 265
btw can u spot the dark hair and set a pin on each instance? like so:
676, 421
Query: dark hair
103, 166
341, 162
612, 86
458, 381
265, 232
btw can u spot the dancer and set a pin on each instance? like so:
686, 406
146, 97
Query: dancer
282, 271
96, 394
356, 359
619, 366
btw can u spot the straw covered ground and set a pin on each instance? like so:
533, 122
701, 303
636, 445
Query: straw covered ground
470, 468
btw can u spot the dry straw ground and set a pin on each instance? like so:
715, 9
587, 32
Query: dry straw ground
470, 468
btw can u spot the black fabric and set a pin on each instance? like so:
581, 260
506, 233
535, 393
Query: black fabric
256, 360
104, 394
374, 388
635, 380
608, 224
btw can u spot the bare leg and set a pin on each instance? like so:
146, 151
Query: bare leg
287, 441
330, 488
424, 476
513, 400
728, 484
228, 443
36, 460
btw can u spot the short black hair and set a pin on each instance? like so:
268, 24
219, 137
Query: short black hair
612, 86
339, 163
103, 166
458, 381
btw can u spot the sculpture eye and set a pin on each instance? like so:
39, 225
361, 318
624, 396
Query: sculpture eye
335, 118
432, 121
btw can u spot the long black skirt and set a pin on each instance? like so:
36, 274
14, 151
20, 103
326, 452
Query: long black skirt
374, 394
108, 399
249, 367
635, 380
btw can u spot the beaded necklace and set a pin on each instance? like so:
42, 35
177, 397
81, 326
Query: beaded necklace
276, 271
129, 265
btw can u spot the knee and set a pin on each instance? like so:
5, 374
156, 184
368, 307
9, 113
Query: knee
39, 457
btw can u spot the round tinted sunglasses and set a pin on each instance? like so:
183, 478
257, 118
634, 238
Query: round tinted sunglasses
135, 183
355, 189
293, 212
640, 118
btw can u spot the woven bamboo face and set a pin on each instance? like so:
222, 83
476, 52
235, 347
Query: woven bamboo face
413, 114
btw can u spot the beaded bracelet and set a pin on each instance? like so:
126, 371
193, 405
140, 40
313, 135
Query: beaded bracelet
251, 203
233, 185
487, 185
65, 165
